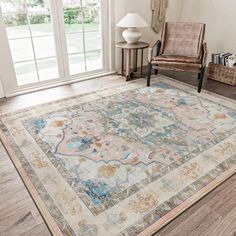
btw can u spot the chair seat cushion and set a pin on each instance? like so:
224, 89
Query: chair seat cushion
177, 61
175, 58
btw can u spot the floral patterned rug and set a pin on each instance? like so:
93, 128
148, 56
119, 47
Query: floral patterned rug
125, 160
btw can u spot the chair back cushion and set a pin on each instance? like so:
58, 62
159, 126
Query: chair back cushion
184, 39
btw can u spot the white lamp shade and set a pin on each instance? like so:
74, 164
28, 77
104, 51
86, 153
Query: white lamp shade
132, 20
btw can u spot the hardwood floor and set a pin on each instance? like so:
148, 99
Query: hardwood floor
210, 85
214, 215
18, 214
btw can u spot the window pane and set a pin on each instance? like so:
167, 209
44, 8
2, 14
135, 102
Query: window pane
21, 50
27, 22
75, 43
92, 26
47, 69
41, 24
94, 60
83, 28
9, 6
71, 3
16, 25
36, 6
15, 19
91, 10
26, 73
73, 16
44, 47
77, 64
73, 19
92, 41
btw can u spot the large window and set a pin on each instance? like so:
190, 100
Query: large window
83, 33
54, 39
31, 39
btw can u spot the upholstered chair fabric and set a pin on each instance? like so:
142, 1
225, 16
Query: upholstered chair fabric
182, 48
183, 39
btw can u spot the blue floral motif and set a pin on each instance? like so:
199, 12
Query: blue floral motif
163, 85
182, 101
97, 190
39, 124
140, 119
232, 114
80, 143
88, 229
185, 102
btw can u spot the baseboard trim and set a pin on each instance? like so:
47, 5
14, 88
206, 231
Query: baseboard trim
57, 84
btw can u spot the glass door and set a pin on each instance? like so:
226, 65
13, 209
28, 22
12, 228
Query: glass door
31, 40
83, 34
54, 40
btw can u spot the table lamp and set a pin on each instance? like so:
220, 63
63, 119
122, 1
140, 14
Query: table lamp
132, 21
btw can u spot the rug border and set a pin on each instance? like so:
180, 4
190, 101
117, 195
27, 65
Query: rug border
194, 90
48, 219
158, 78
154, 228
170, 216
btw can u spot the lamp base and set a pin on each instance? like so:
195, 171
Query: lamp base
131, 35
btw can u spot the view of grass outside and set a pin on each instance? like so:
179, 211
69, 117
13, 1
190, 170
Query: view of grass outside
31, 38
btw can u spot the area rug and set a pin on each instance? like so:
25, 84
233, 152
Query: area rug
125, 160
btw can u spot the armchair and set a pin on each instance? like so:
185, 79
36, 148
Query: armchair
182, 48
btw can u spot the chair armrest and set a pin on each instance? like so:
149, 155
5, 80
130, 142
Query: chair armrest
151, 48
204, 54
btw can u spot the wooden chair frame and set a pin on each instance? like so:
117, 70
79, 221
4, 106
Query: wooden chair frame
156, 67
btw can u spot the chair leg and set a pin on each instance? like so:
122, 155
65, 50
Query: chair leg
156, 72
199, 75
201, 79
149, 74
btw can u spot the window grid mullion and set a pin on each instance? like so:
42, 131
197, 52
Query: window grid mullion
37, 36
38, 59
32, 43
83, 32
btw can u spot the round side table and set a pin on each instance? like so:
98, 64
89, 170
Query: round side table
128, 49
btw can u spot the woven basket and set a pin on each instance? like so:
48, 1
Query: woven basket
222, 73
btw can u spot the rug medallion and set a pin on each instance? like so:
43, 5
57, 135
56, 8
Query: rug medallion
120, 160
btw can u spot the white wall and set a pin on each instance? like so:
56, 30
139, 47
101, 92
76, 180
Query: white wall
143, 7
1, 90
219, 16
220, 19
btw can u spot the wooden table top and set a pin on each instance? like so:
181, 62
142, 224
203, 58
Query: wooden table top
139, 45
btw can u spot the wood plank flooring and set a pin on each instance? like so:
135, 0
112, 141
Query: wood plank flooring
214, 215
18, 214
210, 85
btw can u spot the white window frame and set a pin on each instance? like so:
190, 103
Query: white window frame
7, 71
